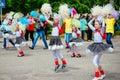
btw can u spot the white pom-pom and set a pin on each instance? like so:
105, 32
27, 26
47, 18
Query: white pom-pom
96, 10
107, 9
46, 9
110, 49
64, 11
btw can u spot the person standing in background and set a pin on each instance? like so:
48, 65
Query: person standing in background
83, 26
30, 28
110, 21
89, 31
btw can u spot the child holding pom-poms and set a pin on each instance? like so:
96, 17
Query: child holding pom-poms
97, 48
56, 44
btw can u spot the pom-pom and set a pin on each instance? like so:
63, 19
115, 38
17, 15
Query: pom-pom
73, 12
96, 10
24, 20
115, 14
46, 9
17, 16
64, 11
107, 9
76, 22
11, 14
42, 17
33, 13
76, 16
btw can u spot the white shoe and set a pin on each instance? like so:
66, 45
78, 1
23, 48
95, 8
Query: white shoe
95, 78
103, 76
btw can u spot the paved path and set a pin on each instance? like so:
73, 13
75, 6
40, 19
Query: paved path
38, 64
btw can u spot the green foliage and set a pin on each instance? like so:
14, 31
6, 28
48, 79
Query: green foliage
82, 6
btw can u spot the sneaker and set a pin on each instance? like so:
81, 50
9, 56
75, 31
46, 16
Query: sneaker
56, 68
67, 47
95, 78
63, 66
31, 48
20, 55
73, 55
3, 47
45, 48
7, 47
103, 76
78, 55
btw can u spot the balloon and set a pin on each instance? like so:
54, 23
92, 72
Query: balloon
115, 14
42, 17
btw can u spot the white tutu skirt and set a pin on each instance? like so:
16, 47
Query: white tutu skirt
96, 48
75, 41
55, 43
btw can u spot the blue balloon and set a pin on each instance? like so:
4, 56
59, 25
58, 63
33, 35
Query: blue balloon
42, 17
33, 13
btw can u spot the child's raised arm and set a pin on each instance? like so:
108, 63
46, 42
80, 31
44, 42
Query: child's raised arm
50, 22
90, 24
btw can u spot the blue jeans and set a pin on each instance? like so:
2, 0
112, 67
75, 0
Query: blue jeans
67, 37
108, 39
5, 42
42, 35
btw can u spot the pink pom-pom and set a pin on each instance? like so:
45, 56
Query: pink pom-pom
73, 11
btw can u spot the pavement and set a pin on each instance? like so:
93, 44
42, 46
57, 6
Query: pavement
38, 64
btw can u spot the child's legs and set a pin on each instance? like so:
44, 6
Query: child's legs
5, 42
42, 35
26, 35
11, 41
32, 35
55, 57
67, 38
74, 49
35, 39
96, 61
108, 39
59, 55
83, 34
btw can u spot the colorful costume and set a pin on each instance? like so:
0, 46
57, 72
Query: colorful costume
74, 42
56, 44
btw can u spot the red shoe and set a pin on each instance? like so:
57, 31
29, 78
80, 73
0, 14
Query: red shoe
73, 55
78, 55
7, 47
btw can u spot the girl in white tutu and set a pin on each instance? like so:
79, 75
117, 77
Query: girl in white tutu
19, 41
97, 48
56, 44
75, 41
